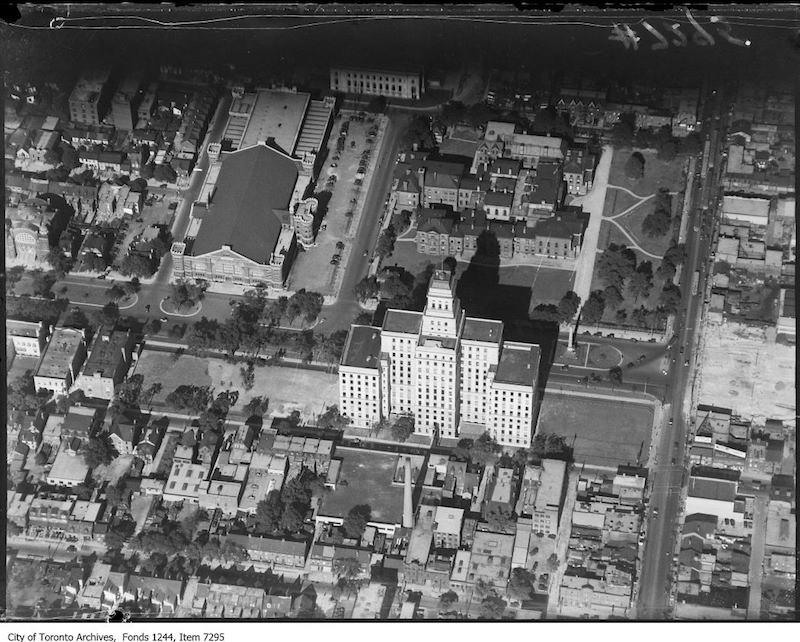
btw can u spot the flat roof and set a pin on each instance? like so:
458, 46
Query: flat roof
251, 185
519, 364
363, 347
278, 115
486, 330
448, 520
59, 353
551, 484
366, 477
69, 467
402, 321
16, 328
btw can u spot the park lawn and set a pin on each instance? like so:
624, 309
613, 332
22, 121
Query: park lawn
405, 255
657, 173
602, 432
617, 202
632, 222
164, 368
547, 285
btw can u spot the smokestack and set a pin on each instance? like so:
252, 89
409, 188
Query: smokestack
408, 512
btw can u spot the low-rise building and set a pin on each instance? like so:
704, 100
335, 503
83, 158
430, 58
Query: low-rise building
107, 364
62, 358
27, 338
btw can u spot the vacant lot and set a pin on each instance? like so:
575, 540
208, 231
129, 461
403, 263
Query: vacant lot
602, 432
287, 389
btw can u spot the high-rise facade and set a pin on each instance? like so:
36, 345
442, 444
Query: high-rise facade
450, 372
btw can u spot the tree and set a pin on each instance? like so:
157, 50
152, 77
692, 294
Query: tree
552, 562
60, 263
363, 318
165, 173
377, 105
147, 171
396, 290
666, 270
670, 298
676, 253
450, 264
332, 419
448, 600
189, 397
115, 292
493, 607
641, 281
499, 518
184, 293
367, 288
568, 305
355, 522
257, 406
304, 304
292, 517
385, 245
136, 265
623, 130
547, 312
615, 264
483, 450
691, 144
612, 297
658, 222
109, 314
118, 533
615, 375
99, 451
550, 446
347, 567
69, 158
521, 583
269, 512
594, 308
634, 167
401, 221
43, 283
138, 185
403, 428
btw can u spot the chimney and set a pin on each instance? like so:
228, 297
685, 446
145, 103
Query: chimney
408, 512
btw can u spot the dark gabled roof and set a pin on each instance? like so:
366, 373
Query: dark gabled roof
252, 183
499, 199
561, 225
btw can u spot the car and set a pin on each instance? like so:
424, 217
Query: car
671, 421
334, 165
164, 319
686, 363
366, 253
102, 277
323, 227
682, 349
672, 461
334, 262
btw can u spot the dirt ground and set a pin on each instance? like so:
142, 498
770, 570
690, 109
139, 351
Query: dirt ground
741, 370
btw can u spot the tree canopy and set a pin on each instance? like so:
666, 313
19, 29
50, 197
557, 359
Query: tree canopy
615, 264
634, 166
403, 428
595, 307
356, 520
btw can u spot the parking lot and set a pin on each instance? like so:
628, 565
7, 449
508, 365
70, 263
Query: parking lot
315, 269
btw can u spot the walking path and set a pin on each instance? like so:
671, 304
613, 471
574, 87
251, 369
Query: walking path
593, 203
634, 244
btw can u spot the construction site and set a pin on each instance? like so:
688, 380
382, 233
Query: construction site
740, 367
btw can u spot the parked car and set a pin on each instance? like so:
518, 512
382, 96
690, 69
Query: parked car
323, 227
334, 165
366, 253
686, 363
164, 319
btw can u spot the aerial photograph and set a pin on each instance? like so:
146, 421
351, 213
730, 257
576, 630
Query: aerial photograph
398, 312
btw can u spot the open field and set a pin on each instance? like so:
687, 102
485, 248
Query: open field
287, 389
602, 432
617, 202
657, 173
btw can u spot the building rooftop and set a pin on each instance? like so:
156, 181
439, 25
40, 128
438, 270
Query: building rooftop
561, 225
716, 489
448, 520
402, 321
551, 489
16, 328
486, 330
108, 351
519, 364
59, 353
267, 113
363, 347
69, 467
251, 185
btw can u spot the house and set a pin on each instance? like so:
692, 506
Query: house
147, 448
579, 166
447, 527
108, 362
122, 433
92, 593
61, 360
152, 594
77, 423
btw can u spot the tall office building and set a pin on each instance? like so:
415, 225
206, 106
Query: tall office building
452, 373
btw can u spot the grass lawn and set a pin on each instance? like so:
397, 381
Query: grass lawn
657, 173
632, 222
617, 201
287, 389
605, 432
405, 255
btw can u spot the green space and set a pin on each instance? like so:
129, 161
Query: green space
657, 173
632, 222
617, 202
604, 356
287, 389
603, 432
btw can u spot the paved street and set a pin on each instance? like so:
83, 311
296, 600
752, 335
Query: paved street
668, 476
757, 556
